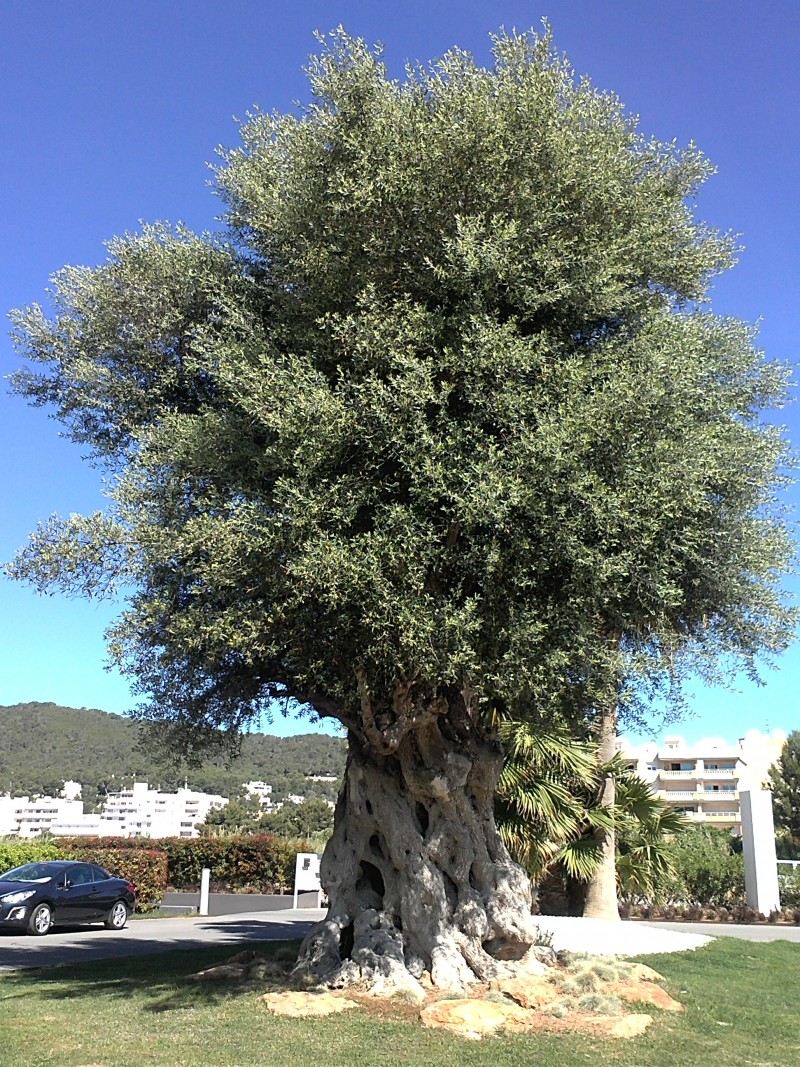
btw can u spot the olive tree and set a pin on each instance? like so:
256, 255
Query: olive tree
438, 430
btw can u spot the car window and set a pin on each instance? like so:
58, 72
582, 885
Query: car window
29, 872
80, 874
99, 874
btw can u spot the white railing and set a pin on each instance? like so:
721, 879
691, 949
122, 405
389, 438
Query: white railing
675, 794
677, 774
722, 772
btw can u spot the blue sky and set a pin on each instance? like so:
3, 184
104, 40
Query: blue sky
110, 112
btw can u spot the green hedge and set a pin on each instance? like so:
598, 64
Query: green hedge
255, 863
15, 853
259, 863
143, 865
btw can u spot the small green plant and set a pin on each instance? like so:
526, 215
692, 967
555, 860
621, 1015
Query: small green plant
582, 982
600, 1005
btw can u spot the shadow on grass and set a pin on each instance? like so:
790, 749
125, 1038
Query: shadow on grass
159, 979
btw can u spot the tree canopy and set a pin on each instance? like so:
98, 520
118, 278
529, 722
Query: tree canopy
440, 429
443, 407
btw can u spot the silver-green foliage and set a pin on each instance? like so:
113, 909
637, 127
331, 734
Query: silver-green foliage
443, 408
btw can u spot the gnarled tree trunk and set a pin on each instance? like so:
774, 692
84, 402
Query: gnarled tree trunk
417, 876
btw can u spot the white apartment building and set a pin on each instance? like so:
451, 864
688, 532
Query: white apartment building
144, 812
704, 780
30, 817
135, 812
260, 790
8, 823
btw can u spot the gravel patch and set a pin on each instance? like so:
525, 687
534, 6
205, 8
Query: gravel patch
604, 937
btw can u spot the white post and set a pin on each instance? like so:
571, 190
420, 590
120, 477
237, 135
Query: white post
205, 878
758, 845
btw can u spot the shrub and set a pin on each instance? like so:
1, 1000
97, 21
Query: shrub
708, 869
262, 863
145, 867
256, 863
15, 853
789, 883
127, 858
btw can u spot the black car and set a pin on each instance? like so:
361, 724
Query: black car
39, 895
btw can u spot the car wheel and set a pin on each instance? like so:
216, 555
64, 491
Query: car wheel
117, 917
41, 920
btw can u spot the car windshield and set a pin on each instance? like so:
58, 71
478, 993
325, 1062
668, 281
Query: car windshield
29, 872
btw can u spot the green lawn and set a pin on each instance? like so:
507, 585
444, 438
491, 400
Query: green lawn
743, 1010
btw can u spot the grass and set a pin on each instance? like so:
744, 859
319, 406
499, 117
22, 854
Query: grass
741, 998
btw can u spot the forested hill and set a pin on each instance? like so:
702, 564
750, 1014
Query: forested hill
42, 745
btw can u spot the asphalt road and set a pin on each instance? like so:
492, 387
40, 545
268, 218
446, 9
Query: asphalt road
760, 932
142, 937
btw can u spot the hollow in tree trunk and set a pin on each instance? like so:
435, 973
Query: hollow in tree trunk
416, 874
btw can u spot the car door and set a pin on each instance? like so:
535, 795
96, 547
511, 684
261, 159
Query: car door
78, 898
107, 891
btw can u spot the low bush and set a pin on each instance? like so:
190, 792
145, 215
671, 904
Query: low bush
145, 866
789, 882
260, 863
255, 863
15, 853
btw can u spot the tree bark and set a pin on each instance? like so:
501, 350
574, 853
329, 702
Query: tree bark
416, 874
601, 890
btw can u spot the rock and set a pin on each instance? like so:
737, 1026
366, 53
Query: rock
298, 1005
646, 992
222, 972
642, 973
247, 956
473, 1018
620, 1026
531, 964
529, 992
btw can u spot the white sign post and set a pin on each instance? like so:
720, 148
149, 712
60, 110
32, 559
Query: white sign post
306, 876
205, 878
758, 845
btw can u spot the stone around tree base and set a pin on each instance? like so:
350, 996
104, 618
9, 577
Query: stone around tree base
624, 1026
530, 992
474, 1019
222, 972
299, 1005
644, 992
643, 973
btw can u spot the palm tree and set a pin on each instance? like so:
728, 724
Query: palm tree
553, 817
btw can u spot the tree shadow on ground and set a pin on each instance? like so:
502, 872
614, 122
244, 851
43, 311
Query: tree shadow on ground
162, 977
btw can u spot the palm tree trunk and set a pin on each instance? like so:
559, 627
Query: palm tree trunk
601, 891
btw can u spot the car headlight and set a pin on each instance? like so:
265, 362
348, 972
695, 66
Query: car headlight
17, 898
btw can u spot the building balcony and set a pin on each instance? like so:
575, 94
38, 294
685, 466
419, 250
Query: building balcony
726, 772
721, 816
685, 775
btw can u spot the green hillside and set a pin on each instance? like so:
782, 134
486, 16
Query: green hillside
45, 744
